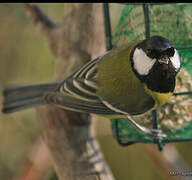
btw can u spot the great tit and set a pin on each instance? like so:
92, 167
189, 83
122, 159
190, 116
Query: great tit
128, 80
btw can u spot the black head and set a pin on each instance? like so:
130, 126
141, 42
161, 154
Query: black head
158, 47
156, 62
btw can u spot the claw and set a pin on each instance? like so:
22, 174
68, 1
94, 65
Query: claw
156, 134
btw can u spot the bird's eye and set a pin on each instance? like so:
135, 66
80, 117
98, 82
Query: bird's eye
148, 51
151, 53
170, 52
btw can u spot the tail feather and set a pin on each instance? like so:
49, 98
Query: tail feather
21, 97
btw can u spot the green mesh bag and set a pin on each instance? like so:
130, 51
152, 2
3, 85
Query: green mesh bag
173, 21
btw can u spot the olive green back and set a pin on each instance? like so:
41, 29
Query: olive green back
118, 83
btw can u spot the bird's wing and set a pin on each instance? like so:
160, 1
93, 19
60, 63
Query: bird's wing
78, 92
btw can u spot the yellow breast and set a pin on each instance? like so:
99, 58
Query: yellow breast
160, 98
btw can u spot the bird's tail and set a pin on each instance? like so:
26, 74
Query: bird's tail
21, 97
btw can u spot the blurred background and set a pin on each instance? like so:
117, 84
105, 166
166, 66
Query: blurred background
25, 57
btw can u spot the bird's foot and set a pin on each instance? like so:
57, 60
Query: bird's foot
156, 134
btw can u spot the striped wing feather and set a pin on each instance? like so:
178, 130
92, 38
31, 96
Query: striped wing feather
78, 92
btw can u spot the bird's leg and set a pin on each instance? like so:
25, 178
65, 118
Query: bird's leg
153, 133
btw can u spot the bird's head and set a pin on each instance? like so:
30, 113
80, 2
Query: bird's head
156, 59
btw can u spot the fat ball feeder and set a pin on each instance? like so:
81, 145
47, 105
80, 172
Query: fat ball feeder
174, 118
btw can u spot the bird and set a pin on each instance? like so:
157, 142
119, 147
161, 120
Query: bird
124, 82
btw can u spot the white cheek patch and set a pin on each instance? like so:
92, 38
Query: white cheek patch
175, 60
141, 62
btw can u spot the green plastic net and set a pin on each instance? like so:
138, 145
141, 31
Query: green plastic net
173, 21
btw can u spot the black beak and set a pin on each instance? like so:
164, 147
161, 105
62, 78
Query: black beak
164, 60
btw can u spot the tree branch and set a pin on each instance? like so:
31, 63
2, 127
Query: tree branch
37, 163
66, 133
38, 17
